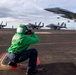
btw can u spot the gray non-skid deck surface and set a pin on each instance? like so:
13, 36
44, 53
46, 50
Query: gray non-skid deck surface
57, 52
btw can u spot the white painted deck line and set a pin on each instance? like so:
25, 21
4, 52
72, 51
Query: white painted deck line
43, 32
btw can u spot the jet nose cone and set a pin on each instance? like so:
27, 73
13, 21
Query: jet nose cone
46, 9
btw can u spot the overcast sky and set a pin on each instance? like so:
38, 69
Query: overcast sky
15, 12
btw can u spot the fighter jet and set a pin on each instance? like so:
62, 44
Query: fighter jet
2, 25
57, 27
35, 26
64, 13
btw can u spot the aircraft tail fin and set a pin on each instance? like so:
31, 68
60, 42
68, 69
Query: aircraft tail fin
35, 23
43, 24
6, 23
62, 24
58, 23
39, 24
1, 22
65, 25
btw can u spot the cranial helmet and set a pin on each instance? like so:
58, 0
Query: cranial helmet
22, 28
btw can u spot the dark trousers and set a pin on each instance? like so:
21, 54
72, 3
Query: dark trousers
30, 53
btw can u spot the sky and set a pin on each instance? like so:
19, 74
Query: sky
16, 12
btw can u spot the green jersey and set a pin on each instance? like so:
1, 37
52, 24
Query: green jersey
20, 42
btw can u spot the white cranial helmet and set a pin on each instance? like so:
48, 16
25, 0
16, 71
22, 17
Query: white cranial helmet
22, 28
